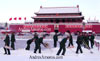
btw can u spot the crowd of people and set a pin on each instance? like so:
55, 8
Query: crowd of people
83, 39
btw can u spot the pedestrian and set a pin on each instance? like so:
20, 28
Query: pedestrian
86, 40
83, 34
35, 36
7, 43
38, 43
79, 42
31, 40
91, 38
28, 43
55, 38
70, 40
13, 40
63, 46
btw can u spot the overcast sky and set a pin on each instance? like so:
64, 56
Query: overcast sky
26, 8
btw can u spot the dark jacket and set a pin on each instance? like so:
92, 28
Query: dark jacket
62, 43
30, 41
13, 38
36, 37
7, 40
70, 38
91, 37
83, 37
39, 41
86, 38
79, 39
55, 37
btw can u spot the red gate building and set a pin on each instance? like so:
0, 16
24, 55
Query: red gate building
57, 18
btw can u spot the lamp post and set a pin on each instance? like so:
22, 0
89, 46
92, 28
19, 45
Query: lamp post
6, 26
83, 27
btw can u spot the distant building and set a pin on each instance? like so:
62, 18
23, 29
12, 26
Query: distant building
58, 15
61, 19
92, 21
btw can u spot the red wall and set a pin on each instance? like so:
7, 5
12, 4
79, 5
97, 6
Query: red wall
50, 28
32, 28
96, 28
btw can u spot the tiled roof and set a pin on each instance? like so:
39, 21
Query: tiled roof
48, 10
58, 17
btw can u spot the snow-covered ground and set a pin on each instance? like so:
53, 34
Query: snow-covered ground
20, 54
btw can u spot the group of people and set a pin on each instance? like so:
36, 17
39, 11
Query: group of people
82, 40
55, 38
7, 43
38, 41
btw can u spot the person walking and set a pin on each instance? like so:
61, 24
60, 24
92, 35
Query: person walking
91, 38
79, 42
70, 40
86, 40
7, 43
55, 38
13, 40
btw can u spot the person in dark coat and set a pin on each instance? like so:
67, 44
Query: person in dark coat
31, 40
7, 43
12, 41
79, 42
55, 38
91, 38
62, 46
83, 34
35, 36
70, 40
28, 43
38, 43
86, 40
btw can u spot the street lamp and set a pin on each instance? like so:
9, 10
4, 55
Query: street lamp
83, 27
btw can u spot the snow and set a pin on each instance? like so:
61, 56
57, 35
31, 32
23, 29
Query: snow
20, 54
97, 40
23, 55
59, 10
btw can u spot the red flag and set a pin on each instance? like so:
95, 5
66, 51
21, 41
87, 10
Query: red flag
15, 18
10, 19
20, 18
24, 18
